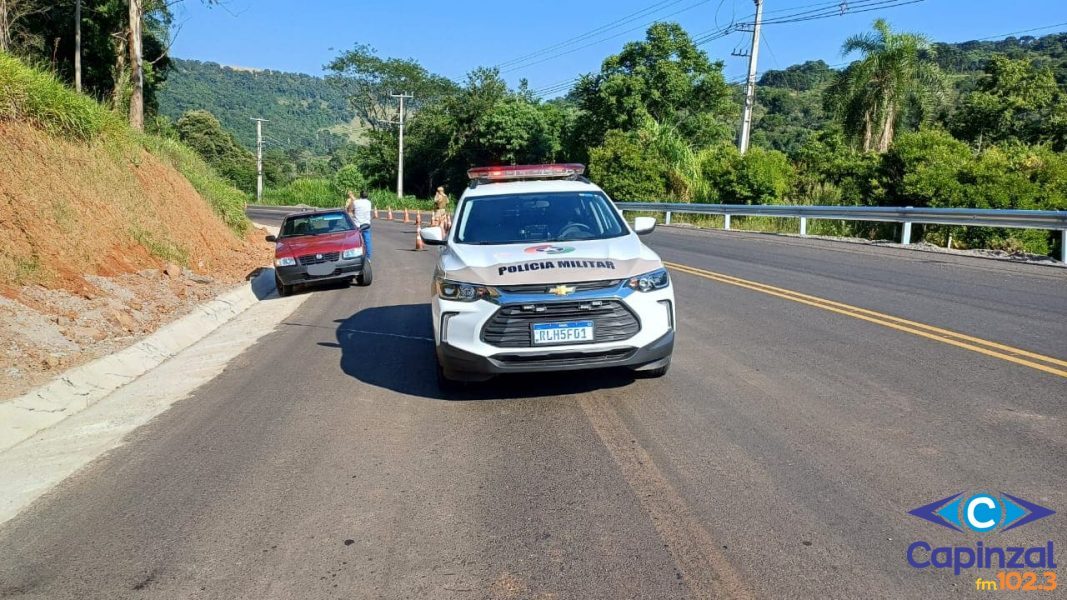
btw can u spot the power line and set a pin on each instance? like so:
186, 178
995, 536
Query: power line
703, 38
825, 13
1003, 35
551, 57
713, 35
699, 39
607, 27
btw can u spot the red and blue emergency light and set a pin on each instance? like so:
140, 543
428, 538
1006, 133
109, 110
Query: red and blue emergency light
516, 172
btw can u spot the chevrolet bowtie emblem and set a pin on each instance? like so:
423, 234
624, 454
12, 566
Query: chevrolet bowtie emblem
561, 290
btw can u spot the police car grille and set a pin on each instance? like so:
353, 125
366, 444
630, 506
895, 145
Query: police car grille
313, 259
509, 327
541, 288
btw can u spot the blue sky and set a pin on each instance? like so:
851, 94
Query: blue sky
452, 37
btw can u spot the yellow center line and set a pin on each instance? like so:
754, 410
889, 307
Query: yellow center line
960, 340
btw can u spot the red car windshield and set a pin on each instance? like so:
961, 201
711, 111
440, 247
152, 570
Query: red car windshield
317, 224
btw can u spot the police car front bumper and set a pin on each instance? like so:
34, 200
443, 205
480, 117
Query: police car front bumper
462, 365
465, 351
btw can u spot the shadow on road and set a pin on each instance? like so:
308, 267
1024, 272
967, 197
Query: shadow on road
392, 347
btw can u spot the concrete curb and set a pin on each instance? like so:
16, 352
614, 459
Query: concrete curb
81, 387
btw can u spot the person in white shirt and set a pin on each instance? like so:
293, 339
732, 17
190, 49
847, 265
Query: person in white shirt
360, 211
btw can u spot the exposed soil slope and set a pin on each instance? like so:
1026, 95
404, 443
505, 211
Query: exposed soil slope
86, 233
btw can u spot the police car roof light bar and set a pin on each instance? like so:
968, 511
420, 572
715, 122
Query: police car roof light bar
515, 172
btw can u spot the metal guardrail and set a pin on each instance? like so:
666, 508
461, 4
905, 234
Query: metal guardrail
976, 217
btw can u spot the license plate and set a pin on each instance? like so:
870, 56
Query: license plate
562, 333
320, 270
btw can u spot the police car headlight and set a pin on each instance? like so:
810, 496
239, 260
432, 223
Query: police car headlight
285, 261
656, 280
459, 291
352, 253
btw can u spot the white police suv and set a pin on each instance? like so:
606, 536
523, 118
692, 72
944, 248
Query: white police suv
541, 273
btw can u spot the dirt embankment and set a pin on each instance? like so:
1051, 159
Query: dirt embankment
100, 245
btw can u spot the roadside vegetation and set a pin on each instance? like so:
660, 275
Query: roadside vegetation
40, 99
903, 121
907, 122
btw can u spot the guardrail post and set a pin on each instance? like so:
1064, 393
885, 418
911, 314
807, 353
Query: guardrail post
905, 234
667, 220
726, 222
803, 226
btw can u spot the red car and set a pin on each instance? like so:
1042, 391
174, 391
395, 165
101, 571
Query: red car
318, 247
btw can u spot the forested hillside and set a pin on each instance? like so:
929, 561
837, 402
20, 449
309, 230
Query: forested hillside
790, 101
305, 112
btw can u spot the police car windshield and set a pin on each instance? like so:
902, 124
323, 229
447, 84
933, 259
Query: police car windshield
318, 224
548, 217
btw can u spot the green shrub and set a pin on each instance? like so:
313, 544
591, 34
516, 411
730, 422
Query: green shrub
38, 98
201, 131
384, 199
625, 168
311, 191
349, 179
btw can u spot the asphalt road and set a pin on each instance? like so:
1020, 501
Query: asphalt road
777, 459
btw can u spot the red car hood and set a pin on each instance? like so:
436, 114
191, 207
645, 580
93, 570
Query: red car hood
313, 244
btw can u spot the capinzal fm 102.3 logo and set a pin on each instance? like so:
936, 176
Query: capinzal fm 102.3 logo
982, 513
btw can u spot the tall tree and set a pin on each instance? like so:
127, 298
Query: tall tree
368, 80
896, 73
1014, 100
136, 65
12, 15
78, 45
665, 77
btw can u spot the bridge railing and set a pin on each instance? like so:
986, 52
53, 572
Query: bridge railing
976, 217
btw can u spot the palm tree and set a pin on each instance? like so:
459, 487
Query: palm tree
894, 73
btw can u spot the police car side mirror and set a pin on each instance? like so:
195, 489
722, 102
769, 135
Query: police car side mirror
271, 238
433, 236
643, 225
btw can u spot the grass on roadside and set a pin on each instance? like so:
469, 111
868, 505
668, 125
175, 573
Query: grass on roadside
162, 249
37, 97
321, 192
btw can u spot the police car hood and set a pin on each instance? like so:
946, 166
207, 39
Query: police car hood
558, 262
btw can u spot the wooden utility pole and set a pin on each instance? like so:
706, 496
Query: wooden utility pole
136, 67
78, 45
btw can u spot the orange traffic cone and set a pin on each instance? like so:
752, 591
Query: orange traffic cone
418, 242
418, 220
375, 213
389, 214
407, 219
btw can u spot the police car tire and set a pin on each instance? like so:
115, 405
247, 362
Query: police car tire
366, 276
445, 384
